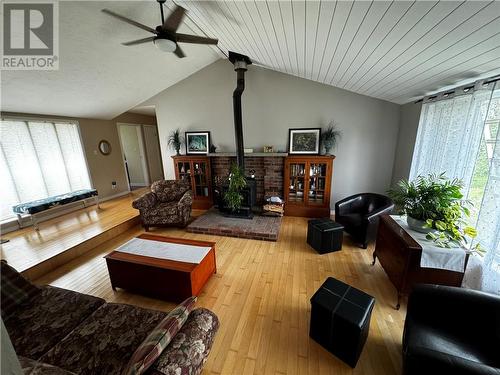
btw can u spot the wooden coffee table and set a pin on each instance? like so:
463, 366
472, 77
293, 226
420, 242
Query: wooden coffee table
157, 275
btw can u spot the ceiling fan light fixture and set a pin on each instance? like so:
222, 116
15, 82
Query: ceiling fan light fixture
165, 45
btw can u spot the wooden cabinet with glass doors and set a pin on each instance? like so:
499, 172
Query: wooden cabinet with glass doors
196, 169
307, 185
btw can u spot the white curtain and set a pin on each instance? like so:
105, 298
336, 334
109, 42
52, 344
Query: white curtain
39, 159
449, 133
484, 274
459, 134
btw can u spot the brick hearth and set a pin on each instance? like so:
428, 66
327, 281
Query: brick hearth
268, 173
259, 228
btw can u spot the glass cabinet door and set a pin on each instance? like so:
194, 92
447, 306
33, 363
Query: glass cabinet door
316, 183
297, 182
184, 170
200, 175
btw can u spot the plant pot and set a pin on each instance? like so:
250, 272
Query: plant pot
417, 225
328, 147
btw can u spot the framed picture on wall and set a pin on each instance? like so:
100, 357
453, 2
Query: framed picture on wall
197, 143
304, 141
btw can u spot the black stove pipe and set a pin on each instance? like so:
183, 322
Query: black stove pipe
238, 121
240, 66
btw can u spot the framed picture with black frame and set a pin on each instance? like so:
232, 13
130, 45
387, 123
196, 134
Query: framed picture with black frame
304, 141
197, 143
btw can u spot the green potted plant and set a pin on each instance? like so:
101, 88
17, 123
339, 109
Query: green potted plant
237, 181
330, 136
434, 205
175, 141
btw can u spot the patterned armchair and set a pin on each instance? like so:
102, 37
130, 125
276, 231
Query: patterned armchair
168, 203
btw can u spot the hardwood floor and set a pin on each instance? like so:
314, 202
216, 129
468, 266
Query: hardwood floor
261, 294
28, 247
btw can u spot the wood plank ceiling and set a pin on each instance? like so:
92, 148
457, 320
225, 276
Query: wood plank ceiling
397, 51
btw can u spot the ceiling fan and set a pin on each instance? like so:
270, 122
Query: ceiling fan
166, 37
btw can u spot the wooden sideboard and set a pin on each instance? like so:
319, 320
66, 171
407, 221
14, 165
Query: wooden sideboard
307, 185
399, 254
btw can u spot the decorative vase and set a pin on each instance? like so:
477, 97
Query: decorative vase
328, 146
178, 151
417, 225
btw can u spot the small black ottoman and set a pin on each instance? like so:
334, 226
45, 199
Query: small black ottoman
340, 319
324, 235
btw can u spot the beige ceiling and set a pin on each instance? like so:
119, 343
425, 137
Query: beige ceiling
98, 77
397, 51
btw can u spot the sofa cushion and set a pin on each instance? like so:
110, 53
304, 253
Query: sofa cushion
49, 316
163, 213
159, 338
32, 367
105, 341
189, 349
15, 290
163, 209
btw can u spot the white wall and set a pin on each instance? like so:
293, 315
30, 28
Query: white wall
408, 126
131, 140
9, 363
274, 102
153, 152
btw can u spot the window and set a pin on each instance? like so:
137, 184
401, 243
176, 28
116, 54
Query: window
484, 158
39, 159
459, 134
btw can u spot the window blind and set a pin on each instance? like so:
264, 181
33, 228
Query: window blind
39, 159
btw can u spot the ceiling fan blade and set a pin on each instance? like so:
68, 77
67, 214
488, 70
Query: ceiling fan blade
139, 41
179, 52
186, 38
174, 20
129, 21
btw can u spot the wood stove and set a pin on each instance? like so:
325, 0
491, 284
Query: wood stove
249, 193
248, 204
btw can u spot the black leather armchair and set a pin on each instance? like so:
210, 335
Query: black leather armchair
451, 330
359, 214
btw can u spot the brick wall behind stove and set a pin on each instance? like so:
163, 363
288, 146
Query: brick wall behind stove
268, 173
273, 177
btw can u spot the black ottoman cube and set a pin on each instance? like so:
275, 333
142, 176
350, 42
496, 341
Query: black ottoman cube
324, 235
340, 319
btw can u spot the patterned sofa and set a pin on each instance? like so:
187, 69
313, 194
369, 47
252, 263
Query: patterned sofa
58, 331
168, 203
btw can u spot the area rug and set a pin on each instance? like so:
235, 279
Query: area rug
265, 228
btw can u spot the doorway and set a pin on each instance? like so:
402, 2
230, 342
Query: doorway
153, 153
141, 154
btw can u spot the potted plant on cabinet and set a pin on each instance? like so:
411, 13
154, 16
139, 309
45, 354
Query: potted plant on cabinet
434, 205
330, 137
175, 141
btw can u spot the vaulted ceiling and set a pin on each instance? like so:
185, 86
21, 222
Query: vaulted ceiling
397, 51
392, 50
